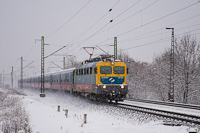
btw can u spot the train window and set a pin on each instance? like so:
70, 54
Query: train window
118, 70
105, 70
81, 71
67, 78
85, 71
90, 70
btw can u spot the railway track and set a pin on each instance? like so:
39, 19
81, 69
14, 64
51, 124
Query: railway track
173, 116
173, 104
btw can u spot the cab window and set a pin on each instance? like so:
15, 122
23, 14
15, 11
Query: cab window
118, 70
105, 70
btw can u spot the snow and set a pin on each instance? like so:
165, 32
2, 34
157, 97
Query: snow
45, 118
101, 118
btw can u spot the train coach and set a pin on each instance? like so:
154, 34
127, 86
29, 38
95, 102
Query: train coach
97, 79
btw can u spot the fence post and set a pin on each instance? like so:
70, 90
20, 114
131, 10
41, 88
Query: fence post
66, 113
85, 118
58, 108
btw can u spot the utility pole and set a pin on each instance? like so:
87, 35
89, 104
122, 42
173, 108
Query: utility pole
21, 72
115, 48
42, 94
3, 77
12, 77
171, 89
63, 63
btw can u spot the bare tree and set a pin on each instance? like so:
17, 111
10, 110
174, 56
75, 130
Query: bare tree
187, 75
72, 62
136, 78
159, 76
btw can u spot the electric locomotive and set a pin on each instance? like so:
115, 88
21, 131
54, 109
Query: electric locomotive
101, 79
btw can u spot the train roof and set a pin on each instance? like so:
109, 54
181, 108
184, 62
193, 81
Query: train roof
53, 73
87, 65
61, 71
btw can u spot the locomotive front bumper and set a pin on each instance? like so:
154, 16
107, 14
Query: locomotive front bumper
113, 92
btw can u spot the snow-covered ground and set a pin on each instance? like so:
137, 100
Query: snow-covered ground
44, 117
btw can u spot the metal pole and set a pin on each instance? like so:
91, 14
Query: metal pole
115, 48
12, 77
21, 72
171, 89
173, 80
3, 77
63, 62
42, 94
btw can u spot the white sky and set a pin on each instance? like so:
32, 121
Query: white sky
24, 21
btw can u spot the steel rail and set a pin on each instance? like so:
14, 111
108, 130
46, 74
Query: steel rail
188, 106
162, 113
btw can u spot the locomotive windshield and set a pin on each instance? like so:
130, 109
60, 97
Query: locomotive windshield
118, 70
105, 70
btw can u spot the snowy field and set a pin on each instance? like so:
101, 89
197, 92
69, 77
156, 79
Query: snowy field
45, 118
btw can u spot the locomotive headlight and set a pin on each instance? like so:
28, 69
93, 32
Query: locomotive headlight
112, 63
122, 86
104, 86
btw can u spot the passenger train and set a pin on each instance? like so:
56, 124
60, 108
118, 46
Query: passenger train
99, 79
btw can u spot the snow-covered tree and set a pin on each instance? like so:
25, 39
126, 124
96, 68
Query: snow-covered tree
160, 75
136, 78
187, 70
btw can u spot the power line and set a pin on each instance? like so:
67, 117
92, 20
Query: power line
136, 38
127, 9
107, 23
69, 19
55, 51
158, 41
87, 31
159, 18
131, 16
152, 22
30, 49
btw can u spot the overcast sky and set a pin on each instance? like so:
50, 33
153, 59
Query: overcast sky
82, 23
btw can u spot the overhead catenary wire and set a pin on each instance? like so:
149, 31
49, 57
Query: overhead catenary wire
88, 30
159, 18
69, 19
131, 16
137, 37
127, 9
149, 22
157, 41
106, 24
